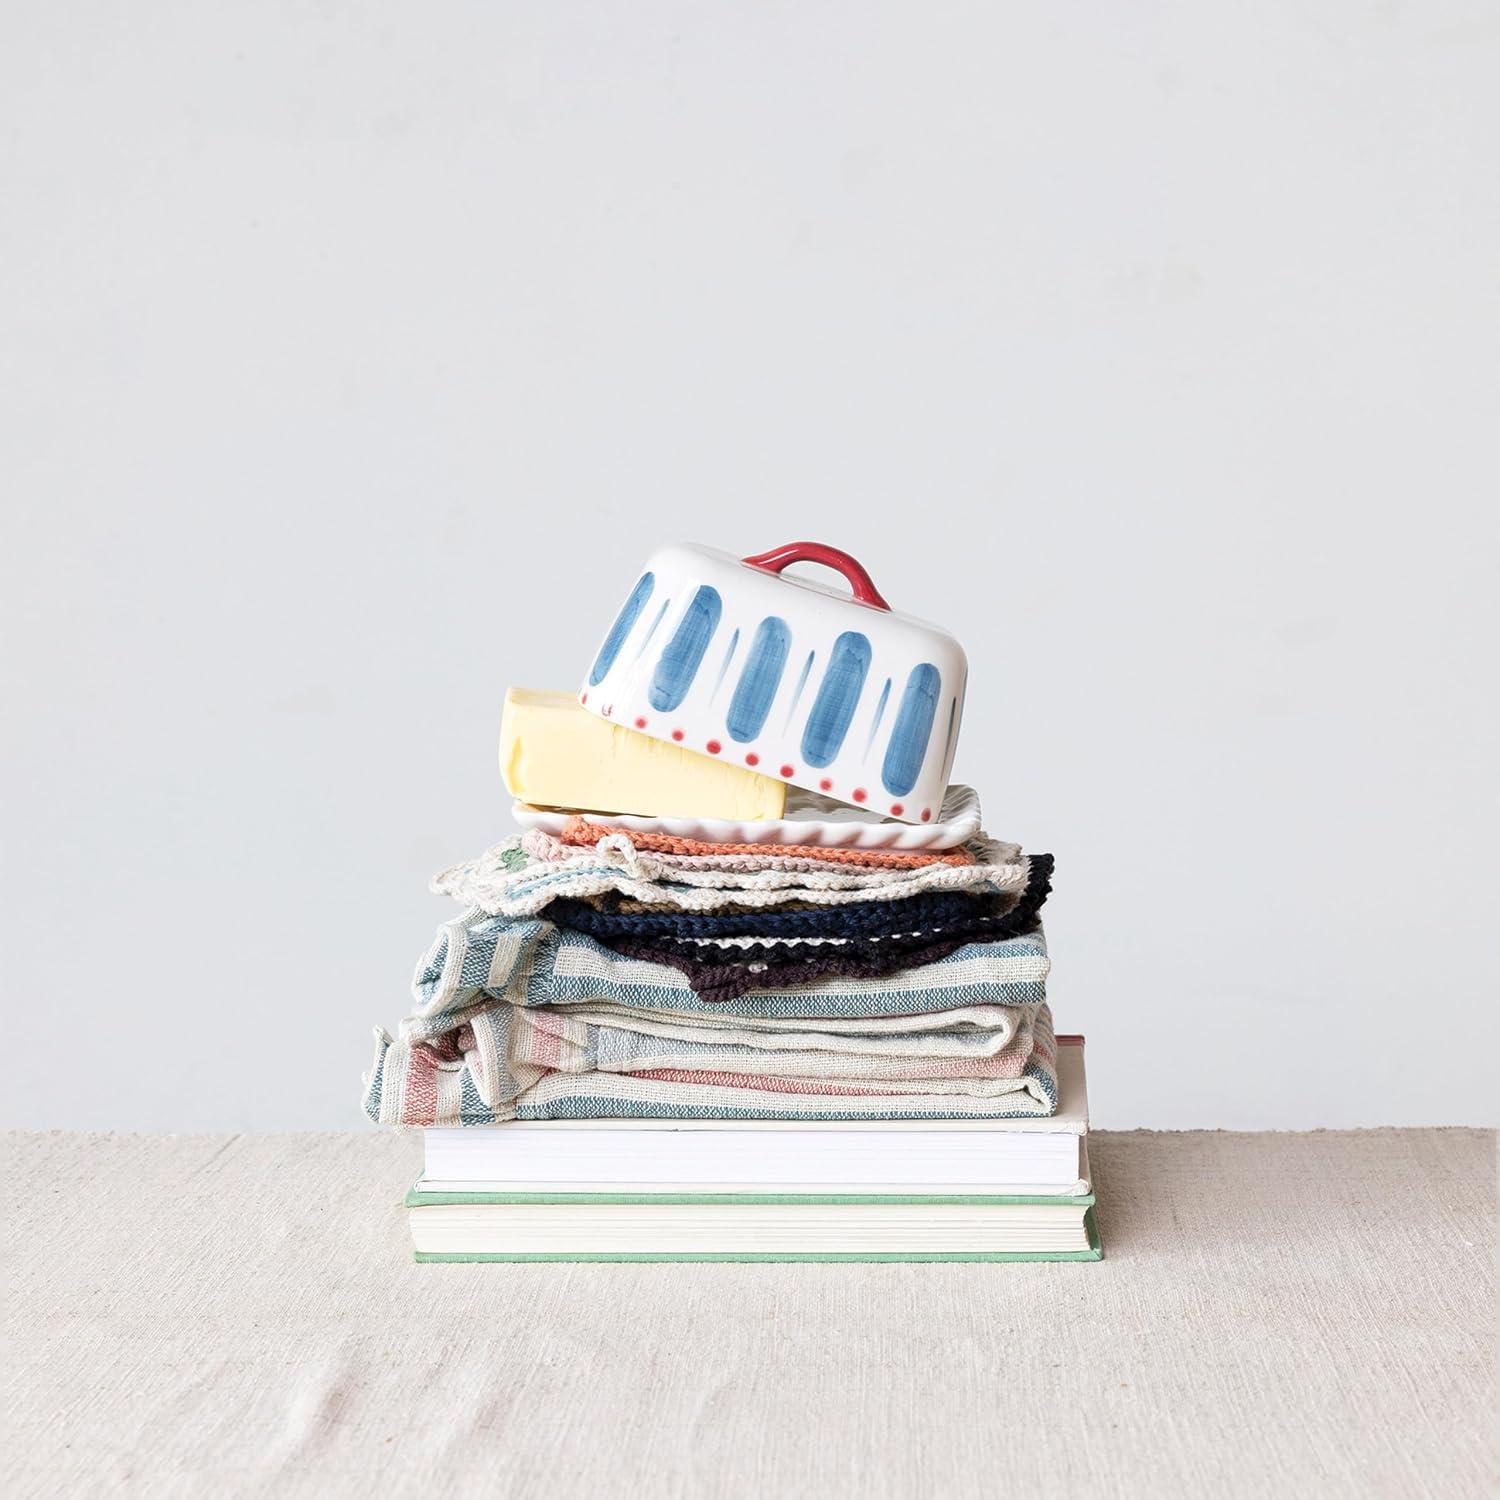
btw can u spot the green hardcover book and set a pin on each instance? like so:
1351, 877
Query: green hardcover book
635, 1226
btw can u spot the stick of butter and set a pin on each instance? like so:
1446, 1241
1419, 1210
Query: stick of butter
555, 754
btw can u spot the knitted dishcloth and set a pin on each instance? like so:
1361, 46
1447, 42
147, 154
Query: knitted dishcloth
581, 831
518, 877
718, 972
772, 860
717, 982
930, 909
612, 902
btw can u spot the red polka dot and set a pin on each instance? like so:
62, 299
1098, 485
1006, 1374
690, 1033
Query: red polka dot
752, 759
788, 771
927, 815
583, 697
640, 723
825, 785
713, 747
608, 709
676, 734
860, 794
897, 809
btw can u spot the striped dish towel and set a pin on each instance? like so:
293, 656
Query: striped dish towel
509, 1063
478, 960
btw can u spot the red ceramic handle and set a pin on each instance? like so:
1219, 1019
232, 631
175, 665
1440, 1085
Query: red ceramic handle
859, 581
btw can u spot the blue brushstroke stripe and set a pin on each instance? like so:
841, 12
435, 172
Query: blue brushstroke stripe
640, 650
838, 697
885, 694
756, 689
679, 662
624, 621
801, 683
734, 645
908, 742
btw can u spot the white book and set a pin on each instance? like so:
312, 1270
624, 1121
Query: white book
859, 1157
675, 1228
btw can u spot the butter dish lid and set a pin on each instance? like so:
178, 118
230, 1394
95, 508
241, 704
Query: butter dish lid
826, 689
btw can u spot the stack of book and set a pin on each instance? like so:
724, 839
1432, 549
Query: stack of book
751, 983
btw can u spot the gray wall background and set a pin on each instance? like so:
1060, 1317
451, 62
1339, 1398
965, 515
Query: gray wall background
353, 356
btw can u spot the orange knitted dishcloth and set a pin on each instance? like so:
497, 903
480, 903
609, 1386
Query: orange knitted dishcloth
582, 832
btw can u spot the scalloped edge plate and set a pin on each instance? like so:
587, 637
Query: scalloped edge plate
810, 819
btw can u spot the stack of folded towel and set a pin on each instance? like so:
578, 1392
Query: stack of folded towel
600, 973
632, 989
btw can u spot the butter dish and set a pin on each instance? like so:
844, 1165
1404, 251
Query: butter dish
832, 691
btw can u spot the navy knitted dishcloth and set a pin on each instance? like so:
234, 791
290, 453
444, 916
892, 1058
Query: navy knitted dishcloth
852, 920
725, 972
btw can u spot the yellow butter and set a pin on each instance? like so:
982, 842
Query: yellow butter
556, 754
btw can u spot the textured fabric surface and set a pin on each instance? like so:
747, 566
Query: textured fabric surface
724, 930
722, 968
464, 1057
587, 834
518, 877
770, 859
510, 1062
931, 911
1276, 1315
477, 959
726, 971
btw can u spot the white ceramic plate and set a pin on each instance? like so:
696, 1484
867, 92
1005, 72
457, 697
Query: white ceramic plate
810, 819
